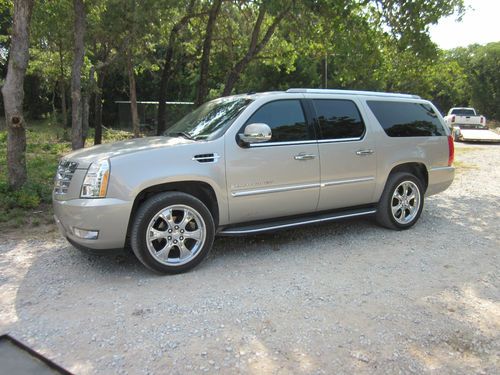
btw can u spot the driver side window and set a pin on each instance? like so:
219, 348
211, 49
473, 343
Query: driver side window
286, 120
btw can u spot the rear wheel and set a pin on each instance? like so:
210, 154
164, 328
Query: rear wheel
172, 232
402, 201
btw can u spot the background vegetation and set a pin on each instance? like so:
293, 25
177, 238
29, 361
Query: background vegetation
195, 50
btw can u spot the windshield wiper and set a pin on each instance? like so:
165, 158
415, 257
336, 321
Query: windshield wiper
183, 134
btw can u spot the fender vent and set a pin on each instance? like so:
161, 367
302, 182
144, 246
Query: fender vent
206, 158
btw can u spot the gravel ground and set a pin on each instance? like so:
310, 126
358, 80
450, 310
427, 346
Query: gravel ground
340, 298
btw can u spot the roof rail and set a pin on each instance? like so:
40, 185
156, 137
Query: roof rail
353, 92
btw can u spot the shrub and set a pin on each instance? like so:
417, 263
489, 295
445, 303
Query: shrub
28, 197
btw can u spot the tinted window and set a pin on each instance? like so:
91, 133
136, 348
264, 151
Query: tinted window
338, 119
463, 112
285, 118
401, 119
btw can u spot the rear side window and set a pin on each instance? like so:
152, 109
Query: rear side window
338, 119
285, 118
403, 119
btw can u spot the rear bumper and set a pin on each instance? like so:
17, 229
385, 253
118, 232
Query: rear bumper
479, 140
440, 178
108, 216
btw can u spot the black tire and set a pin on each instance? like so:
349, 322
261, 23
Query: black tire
384, 215
149, 210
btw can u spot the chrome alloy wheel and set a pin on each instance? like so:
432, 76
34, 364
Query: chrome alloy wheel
405, 202
176, 235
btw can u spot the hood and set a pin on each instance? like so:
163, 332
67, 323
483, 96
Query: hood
86, 156
480, 134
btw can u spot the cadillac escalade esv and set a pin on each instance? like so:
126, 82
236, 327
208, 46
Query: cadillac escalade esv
252, 163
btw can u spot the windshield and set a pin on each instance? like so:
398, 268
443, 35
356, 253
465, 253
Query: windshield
463, 112
210, 119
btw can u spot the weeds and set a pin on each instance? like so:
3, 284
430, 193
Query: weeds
46, 143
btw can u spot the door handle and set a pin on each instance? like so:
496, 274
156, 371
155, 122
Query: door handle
364, 152
303, 156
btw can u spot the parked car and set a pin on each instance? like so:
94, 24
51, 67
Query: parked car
467, 126
253, 163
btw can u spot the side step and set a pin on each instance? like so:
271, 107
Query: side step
286, 223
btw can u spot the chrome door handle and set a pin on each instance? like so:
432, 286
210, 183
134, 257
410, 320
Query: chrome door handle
303, 156
364, 152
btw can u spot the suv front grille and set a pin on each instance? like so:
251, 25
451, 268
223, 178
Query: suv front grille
64, 174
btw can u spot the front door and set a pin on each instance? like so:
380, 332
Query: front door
276, 178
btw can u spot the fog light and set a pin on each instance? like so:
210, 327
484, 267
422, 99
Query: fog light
86, 234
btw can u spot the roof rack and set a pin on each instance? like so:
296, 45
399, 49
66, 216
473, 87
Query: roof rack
353, 92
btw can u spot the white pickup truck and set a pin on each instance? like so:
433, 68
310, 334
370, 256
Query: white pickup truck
467, 126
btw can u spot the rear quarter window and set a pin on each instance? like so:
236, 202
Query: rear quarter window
406, 119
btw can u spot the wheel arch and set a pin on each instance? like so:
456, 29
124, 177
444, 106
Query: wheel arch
418, 169
198, 189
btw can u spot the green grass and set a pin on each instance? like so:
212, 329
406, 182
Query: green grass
461, 166
46, 143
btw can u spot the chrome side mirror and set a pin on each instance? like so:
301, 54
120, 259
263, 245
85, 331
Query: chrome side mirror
256, 133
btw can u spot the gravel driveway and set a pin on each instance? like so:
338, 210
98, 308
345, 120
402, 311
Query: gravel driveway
346, 297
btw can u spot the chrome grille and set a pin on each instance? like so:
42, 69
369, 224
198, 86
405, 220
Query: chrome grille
64, 174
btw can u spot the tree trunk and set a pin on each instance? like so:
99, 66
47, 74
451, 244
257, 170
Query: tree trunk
167, 69
205, 57
62, 87
162, 97
133, 96
85, 117
86, 104
64, 110
254, 48
13, 93
98, 109
76, 79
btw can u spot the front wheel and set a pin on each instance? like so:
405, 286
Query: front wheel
402, 201
172, 232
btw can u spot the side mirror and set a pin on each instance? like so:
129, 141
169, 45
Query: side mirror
256, 133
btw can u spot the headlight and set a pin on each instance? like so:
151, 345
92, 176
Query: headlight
95, 184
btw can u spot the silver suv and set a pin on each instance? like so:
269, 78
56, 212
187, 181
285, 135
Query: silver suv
253, 163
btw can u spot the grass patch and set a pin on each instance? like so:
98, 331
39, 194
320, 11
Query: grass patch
46, 143
461, 166
465, 150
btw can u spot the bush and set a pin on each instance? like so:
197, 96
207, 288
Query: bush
28, 197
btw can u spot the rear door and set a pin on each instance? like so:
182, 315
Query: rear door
275, 178
347, 154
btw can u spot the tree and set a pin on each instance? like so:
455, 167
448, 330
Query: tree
256, 45
168, 65
484, 78
51, 47
77, 139
202, 91
13, 93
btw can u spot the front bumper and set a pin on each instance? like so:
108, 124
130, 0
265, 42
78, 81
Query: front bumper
109, 216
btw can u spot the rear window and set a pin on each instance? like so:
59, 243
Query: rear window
404, 119
338, 119
463, 112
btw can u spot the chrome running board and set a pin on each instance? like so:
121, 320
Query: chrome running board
285, 223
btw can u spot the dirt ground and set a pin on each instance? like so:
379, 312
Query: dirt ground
339, 298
